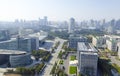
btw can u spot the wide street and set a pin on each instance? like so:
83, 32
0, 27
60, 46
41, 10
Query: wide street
50, 64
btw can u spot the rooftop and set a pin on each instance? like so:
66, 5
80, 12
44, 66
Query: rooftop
85, 47
41, 37
3, 51
12, 39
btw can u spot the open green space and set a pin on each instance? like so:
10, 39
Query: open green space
72, 70
72, 57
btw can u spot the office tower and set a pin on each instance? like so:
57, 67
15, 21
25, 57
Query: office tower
4, 35
34, 43
87, 59
71, 27
44, 21
24, 44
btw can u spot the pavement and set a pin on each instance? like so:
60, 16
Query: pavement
66, 61
47, 70
66, 64
114, 60
2, 70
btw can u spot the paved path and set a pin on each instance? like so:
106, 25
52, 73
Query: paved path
50, 64
66, 64
113, 60
1, 74
66, 61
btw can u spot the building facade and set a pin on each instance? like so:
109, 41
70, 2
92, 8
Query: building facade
99, 42
20, 60
118, 48
4, 35
15, 58
87, 59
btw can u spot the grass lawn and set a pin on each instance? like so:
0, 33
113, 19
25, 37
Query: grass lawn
61, 62
72, 70
72, 57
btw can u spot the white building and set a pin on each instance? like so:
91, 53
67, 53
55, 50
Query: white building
94, 40
118, 48
99, 41
109, 44
112, 41
87, 59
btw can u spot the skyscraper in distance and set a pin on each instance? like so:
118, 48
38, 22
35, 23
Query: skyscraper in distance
71, 27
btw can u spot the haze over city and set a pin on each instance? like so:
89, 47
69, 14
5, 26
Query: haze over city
59, 37
59, 9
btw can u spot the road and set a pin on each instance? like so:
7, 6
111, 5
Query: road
50, 64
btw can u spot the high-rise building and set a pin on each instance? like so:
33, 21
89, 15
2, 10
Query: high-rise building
44, 21
71, 27
4, 35
24, 44
87, 59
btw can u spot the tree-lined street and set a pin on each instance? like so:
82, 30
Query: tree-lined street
50, 64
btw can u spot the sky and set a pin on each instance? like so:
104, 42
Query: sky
59, 9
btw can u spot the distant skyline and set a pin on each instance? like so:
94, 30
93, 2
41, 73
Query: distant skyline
59, 9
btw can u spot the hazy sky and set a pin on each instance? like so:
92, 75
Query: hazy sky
59, 9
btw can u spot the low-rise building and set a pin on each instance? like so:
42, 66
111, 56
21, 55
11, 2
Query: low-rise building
118, 48
15, 58
109, 44
73, 41
99, 41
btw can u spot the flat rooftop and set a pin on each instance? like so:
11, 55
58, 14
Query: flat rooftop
89, 53
9, 52
86, 47
41, 37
